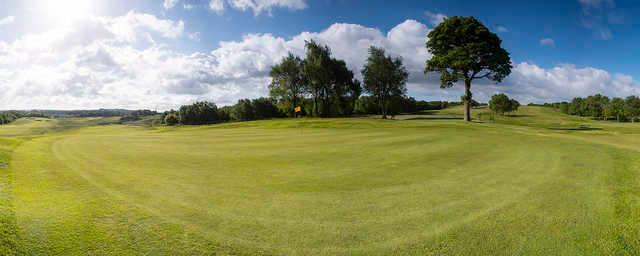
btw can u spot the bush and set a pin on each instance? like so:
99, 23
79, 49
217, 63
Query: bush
171, 119
501, 104
200, 112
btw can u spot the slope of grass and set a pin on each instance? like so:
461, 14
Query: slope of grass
361, 186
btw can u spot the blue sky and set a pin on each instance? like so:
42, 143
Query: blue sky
159, 54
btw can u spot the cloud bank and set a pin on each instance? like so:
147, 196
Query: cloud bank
121, 62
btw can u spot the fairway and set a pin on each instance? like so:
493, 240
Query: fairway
527, 185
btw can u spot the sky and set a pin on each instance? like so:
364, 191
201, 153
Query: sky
160, 54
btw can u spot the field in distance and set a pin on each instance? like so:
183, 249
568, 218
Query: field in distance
537, 183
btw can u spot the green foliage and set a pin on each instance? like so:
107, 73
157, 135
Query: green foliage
384, 78
463, 49
171, 119
594, 105
330, 83
614, 108
7, 117
501, 104
601, 107
243, 111
289, 84
200, 112
632, 108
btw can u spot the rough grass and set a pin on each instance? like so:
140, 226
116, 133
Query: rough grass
361, 186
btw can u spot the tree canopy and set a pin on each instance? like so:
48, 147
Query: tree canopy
463, 49
500, 103
384, 77
288, 83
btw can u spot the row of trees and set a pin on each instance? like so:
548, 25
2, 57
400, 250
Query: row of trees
601, 107
331, 86
266, 108
8, 117
203, 112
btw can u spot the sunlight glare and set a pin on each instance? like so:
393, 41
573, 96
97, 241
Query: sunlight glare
66, 11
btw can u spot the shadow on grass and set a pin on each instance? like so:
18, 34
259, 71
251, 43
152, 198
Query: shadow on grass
579, 128
436, 118
516, 115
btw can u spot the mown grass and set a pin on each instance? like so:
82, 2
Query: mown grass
357, 186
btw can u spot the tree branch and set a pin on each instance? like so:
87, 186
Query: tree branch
482, 76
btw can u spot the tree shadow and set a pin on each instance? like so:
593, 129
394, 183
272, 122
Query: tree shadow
436, 118
517, 115
579, 128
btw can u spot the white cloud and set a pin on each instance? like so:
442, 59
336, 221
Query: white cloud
502, 29
260, 6
531, 83
7, 20
195, 36
116, 62
216, 6
435, 18
547, 42
598, 15
168, 4
256, 6
188, 6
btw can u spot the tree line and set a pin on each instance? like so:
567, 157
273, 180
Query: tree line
602, 107
203, 112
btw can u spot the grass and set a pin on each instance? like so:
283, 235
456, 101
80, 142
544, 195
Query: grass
533, 184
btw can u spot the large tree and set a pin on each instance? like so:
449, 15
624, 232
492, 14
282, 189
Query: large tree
316, 69
384, 77
463, 49
344, 88
288, 84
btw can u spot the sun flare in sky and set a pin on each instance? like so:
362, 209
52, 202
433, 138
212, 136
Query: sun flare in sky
65, 11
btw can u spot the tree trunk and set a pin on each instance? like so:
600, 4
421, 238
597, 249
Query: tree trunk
315, 104
383, 107
467, 99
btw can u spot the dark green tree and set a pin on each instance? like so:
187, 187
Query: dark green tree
243, 111
463, 49
577, 107
200, 112
316, 69
288, 83
264, 108
499, 103
594, 105
614, 108
632, 107
384, 77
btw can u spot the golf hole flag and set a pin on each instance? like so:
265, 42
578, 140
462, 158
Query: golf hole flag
298, 109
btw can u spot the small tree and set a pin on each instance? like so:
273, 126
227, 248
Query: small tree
500, 103
171, 119
614, 108
464, 49
384, 77
513, 105
632, 107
